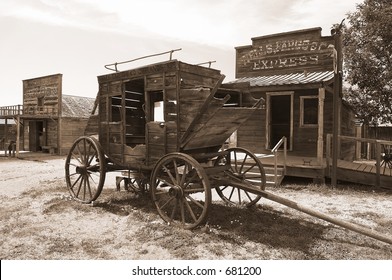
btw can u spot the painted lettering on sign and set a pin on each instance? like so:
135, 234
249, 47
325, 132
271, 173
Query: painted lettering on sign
41, 91
261, 64
288, 52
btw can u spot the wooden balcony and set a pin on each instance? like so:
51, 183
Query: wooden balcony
11, 111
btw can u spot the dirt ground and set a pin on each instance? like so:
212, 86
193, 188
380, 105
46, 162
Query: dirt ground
39, 220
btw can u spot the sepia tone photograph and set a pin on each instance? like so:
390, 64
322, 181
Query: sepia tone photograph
196, 130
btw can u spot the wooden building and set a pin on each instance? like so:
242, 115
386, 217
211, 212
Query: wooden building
51, 120
294, 73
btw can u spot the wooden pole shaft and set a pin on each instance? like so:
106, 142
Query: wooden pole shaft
344, 224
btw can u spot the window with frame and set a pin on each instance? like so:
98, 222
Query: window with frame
309, 111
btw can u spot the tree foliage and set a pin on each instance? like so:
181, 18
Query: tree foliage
367, 49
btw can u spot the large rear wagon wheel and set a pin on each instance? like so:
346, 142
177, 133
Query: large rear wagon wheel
85, 169
181, 190
247, 167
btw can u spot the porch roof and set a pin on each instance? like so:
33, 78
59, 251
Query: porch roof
301, 78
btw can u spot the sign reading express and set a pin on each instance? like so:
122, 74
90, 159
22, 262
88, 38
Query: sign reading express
285, 53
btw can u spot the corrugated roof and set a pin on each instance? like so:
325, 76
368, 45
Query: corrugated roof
77, 106
287, 79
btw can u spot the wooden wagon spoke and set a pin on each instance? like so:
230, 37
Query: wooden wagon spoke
183, 177
190, 210
85, 151
89, 187
195, 201
72, 164
175, 167
190, 180
80, 186
168, 172
84, 187
80, 154
166, 203
76, 157
182, 210
77, 180
235, 162
239, 196
174, 211
247, 194
242, 164
250, 168
231, 193
90, 159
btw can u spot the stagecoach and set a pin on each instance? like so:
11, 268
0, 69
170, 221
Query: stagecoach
164, 126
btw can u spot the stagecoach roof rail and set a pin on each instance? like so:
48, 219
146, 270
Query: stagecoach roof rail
107, 66
207, 62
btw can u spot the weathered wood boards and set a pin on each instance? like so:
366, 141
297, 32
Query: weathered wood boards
291, 52
152, 107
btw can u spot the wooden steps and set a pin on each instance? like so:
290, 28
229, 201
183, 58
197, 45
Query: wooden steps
271, 181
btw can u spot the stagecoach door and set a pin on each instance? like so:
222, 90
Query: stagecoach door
279, 118
161, 128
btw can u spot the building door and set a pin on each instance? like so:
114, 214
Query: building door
37, 135
280, 122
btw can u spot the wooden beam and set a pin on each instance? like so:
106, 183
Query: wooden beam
320, 139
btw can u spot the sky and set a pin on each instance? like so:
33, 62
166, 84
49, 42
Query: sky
78, 37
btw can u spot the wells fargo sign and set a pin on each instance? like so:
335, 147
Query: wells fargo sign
291, 52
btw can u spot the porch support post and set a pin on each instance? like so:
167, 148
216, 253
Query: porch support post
17, 134
320, 137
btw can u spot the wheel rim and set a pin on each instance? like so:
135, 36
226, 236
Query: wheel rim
247, 167
180, 190
85, 170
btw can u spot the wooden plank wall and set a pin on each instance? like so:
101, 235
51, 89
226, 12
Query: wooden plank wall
71, 129
251, 135
42, 96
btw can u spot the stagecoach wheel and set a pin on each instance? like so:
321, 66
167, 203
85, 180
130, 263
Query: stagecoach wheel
247, 167
181, 190
85, 169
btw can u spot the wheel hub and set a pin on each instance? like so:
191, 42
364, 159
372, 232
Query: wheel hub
176, 191
82, 169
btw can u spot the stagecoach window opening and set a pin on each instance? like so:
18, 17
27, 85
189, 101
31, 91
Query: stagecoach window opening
309, 111
157, 106
135, 118
116, 108
233, 101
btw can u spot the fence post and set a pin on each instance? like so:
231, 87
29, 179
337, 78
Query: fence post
328, 154
378, 162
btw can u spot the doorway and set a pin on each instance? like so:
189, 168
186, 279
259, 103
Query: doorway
37, 137
279, 118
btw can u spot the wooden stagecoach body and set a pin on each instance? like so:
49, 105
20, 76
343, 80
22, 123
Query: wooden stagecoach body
148, 112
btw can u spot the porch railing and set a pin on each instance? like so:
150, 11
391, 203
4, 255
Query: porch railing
378, 150
274, 151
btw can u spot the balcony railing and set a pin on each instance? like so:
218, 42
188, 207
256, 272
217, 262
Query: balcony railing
13, 110
40, 110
